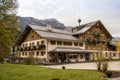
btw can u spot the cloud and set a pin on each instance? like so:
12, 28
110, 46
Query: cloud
68, 11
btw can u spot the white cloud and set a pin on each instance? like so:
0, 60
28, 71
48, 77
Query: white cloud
68, 11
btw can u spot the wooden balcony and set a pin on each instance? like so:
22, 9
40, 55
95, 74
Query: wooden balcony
29, 48
42, 47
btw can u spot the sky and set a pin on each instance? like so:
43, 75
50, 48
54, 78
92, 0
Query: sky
69, 11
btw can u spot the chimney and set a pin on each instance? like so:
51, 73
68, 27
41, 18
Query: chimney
49, 27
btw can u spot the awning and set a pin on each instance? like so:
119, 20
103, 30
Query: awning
71, 50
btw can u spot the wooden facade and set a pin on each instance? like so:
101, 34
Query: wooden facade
32, 35
96, 38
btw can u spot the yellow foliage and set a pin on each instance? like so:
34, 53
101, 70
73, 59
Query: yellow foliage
118, 45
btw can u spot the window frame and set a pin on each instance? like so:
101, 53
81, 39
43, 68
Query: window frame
65, 43
59, 42
53, 42
42, 53
75, 43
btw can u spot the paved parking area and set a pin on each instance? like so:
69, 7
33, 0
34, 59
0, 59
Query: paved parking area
90, 65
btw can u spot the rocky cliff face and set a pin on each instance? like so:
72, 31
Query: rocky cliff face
23, 21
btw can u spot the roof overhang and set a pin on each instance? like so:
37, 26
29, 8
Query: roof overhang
71, 50
49, 38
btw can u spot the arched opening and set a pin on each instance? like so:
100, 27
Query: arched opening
110, 56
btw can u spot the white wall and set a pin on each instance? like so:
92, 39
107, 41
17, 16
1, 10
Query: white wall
52, 47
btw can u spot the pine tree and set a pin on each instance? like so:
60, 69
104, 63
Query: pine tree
8, 26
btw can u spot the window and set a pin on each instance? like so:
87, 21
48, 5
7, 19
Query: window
42, 53
32, 53
42, 42
37, 54
81, 56
73, 56
33, 44
38, 43
59, 42
30, 44
80, 44
25, 53
106, 54
26, 44
70, 57
29, 54
67, 43
23, 45
53, 42
114, 54
22, 53
75, 44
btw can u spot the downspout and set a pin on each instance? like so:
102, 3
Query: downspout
47, 58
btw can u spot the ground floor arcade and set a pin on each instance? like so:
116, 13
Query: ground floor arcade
69, 57
66, 57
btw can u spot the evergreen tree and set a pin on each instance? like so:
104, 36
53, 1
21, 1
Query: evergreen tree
8, 26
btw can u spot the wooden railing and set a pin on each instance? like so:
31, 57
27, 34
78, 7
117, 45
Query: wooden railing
29, 48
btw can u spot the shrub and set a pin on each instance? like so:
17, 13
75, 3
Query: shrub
30, 60
55, 79
109, 74
1, 60
63, 67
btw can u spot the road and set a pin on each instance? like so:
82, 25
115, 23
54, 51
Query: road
90, 66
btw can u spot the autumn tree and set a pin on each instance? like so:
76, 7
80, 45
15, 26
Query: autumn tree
118, 47
8, 26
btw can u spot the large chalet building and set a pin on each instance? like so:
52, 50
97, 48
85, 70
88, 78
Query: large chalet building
79, 44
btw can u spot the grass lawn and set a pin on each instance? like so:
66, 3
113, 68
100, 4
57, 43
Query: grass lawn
35, 72
113, 60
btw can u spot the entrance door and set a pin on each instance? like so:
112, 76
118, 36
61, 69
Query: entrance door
62, 57
87, 57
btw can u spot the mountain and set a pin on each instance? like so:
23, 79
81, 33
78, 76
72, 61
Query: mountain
23, 21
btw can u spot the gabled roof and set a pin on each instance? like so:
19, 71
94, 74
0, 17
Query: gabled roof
57, 34
85, 27
53, 34
43, 28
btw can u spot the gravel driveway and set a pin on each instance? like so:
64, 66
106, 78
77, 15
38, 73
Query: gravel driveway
90, 65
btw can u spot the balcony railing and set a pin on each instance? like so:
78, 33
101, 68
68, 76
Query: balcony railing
29, 48
42, 47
